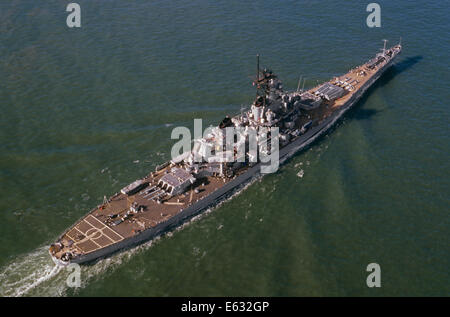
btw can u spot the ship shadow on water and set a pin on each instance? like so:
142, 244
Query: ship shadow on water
398, 68
356, 112
363, 114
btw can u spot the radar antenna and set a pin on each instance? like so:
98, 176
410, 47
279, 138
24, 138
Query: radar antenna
262, 84
105, 203
384, 47
257, 68
129, 202
299, 82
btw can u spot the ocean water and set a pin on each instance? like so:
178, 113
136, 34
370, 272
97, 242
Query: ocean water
85, 111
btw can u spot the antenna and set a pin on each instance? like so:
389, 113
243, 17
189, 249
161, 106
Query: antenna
257, 68
384, 48
257, 75
129, 202
105, 203
304, 80
400, 42
299, 82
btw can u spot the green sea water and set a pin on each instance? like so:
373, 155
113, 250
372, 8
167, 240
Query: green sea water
85, 111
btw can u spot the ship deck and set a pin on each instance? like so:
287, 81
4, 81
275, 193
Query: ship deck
96, 230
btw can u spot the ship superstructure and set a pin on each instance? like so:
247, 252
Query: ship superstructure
216, 166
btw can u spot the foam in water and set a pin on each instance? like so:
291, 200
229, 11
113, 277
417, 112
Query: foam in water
35, 274
27, 272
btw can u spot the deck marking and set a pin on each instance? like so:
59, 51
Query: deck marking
105, 235
83, 233
71, 238
102, 234
86, 220
112, 233
105, 226
86, 238
90, 237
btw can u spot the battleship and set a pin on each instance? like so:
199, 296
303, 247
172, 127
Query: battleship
184, 187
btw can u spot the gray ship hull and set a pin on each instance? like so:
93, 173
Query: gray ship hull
227, 190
